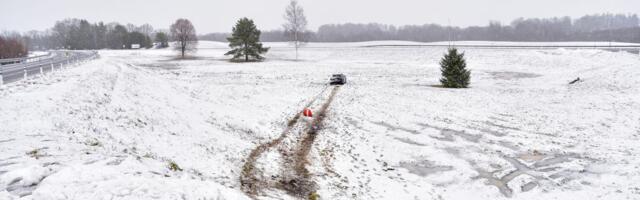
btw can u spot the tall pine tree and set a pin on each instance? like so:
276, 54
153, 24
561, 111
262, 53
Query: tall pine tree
162, 39
245, 41
453, 67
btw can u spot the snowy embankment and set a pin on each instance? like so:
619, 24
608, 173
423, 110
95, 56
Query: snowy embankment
224, 45
142, 125
38, 53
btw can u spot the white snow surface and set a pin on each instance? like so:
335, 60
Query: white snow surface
109, 128
37, 53
224, 45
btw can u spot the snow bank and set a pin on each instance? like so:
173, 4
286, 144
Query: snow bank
128, 179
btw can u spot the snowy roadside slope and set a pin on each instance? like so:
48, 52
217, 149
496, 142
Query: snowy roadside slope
116, 127
110, 128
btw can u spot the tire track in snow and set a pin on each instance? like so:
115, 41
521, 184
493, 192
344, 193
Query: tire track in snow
249, 182
303, 185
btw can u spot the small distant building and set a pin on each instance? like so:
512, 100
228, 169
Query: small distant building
135, 46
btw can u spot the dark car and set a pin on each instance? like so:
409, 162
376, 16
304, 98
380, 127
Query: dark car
338, 79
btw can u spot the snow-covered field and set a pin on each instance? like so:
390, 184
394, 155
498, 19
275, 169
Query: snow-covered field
208, 45
113, 128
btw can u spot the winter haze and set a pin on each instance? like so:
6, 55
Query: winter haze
320, 100
214, 16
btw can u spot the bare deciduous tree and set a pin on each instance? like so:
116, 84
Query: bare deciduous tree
296, 24
12, 46
146, 29
184, 34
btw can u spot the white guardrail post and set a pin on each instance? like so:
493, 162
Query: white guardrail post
1, 78
24, 66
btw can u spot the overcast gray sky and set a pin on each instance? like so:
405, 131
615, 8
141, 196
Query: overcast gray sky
220, 15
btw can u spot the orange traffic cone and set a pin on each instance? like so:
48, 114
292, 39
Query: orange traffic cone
307, 112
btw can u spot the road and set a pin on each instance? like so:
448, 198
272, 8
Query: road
55, 60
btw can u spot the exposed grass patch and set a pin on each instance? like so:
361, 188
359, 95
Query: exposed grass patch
243, 61
314, 196
173, 166
149, 155
34, 153
93, 143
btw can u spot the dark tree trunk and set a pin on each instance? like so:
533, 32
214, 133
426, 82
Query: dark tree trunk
183, 49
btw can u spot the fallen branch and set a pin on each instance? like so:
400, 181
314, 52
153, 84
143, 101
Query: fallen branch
574, 81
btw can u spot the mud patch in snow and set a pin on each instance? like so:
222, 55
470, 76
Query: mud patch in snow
7, 140
447, 134
554, 176
23, 180
424, 167
409, 141
392, 127
506, 75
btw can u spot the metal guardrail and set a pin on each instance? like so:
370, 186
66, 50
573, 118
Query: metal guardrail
20, 68
27, 59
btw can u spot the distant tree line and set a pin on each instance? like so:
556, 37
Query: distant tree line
12, 46
78, 34
81, 34
602, 27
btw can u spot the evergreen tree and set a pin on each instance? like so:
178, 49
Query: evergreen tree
100, 35
162, 39
117, 37
147, 42
245, 41
453, 67
138, 38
